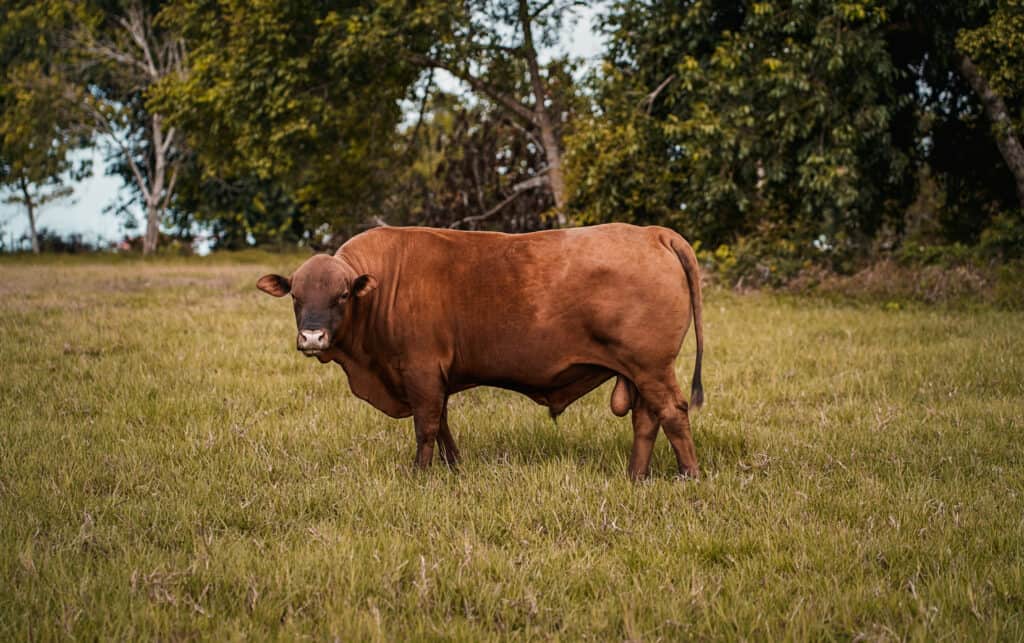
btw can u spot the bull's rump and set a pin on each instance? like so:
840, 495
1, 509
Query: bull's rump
535, 311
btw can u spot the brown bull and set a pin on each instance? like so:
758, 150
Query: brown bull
414, 315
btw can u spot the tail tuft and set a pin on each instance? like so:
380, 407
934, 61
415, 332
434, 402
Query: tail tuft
696, 392
691, 268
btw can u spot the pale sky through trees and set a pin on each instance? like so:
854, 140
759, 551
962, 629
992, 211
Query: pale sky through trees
83, 212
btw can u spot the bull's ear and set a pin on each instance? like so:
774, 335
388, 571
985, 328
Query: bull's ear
275, 285
363, 284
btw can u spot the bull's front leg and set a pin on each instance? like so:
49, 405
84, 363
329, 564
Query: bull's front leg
427, 425
428, 401
449, 452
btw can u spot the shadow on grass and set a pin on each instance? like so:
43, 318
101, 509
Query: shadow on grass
601, 446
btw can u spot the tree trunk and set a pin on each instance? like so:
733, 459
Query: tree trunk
548, 137
30, 206
154, 197
1002, 126
553, 153
152, 238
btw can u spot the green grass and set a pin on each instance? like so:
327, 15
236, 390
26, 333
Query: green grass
171, 468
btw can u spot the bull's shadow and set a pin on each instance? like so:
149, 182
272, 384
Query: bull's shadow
500, 428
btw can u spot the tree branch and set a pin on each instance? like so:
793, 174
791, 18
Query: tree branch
541, 9
167, 141
517, 189
170, 187
650, 98
375, 222
478, 85
107, 51
422, 111
1002, 126
105, 125
136, 25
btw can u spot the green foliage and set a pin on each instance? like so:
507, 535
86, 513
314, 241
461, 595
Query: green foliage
35, 135
770, 114
236, 211
300, 95
1004, 237
36, 115
815, 123
997, 47
765, 258
793, 131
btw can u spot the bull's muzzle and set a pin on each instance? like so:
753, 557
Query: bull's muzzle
311, 342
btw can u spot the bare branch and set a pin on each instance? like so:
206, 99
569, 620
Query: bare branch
533, 182
528, 133
486, 215
479, 85
137, 26
107, 51
517, 189
422, 111
375, 222
169, 192
541, 9
650, 98
105, 125
167, 141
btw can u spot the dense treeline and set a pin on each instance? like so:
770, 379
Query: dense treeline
799, 131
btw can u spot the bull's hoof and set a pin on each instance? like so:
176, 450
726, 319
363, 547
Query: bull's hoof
451, 459
637, 476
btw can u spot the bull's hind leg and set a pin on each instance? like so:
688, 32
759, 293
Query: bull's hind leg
664, 396
645, 430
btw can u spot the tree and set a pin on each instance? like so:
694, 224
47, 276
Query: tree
236, 211
34, 147
991, 59
743, 116
122, 53
469, 167
807, 123
36, 134
293, 96
308, 97
493, 48
950, 135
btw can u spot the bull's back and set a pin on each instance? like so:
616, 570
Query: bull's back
526, 307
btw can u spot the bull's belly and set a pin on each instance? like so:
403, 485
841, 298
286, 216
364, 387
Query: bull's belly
556, 390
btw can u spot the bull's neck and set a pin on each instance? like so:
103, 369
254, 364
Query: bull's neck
358, 337
365, 332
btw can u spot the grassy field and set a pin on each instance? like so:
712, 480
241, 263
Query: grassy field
170, 467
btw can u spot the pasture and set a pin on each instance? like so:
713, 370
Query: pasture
171, 468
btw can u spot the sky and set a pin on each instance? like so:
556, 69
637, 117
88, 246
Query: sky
83, 212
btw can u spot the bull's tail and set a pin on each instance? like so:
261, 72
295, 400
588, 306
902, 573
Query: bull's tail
688, 259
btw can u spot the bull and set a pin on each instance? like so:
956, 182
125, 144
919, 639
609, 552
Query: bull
415, 315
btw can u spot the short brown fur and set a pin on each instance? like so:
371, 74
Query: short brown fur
415, 315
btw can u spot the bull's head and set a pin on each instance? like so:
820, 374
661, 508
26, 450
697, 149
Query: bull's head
321, 289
